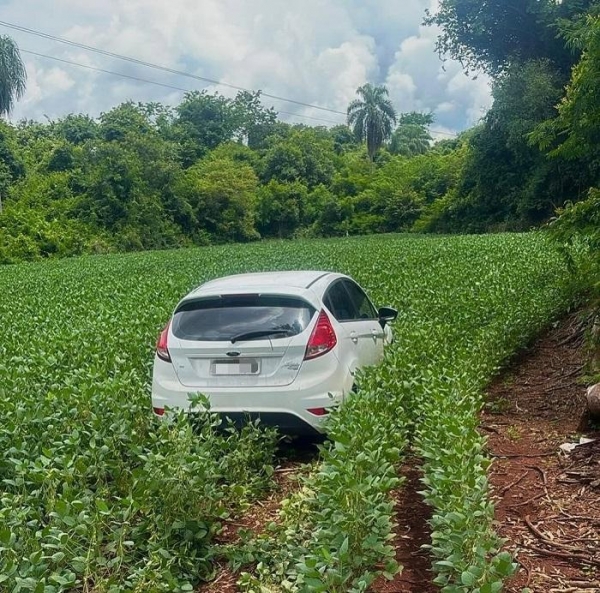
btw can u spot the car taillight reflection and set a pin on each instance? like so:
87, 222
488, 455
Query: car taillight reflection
161, 344
322, 339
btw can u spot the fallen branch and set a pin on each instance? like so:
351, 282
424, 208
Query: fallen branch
572, 337
576, 370
514, 506
542, 472
558, 387
549, 541
593, 521
582, 584
544, 480
568, 556
517, 455
514, 483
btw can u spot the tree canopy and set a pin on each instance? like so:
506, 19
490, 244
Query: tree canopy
215, 169
493, 35
412, 136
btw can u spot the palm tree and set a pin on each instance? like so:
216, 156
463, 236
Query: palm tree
410, 140
372, 117
12, 74
12, 77
412, 135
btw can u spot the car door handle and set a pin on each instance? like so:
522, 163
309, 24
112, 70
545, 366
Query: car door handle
354, 337
376, 334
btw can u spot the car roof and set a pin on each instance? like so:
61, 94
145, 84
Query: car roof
265, 281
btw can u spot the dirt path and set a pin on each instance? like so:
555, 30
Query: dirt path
547, 504
411, 532
547, 501
291, 463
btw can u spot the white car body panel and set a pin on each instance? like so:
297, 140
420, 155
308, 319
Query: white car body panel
284, 385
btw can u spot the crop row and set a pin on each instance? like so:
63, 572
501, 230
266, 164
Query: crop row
96, 494
466, 305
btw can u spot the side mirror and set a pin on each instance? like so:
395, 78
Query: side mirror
386, 315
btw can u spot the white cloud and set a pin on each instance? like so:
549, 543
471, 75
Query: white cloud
314, 51
456, 100
44, 83
446, 107
57, 80
402, 90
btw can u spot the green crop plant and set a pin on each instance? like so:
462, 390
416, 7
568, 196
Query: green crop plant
97, 494
466, 305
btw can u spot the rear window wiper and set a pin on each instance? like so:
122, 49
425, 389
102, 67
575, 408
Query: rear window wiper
258, 334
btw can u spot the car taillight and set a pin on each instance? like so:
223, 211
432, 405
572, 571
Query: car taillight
161, 344
322, 339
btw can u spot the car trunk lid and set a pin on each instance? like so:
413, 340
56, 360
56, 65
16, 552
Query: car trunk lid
240, 340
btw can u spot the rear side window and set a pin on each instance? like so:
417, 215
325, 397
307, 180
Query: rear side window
338, 301
363, 305
223, 318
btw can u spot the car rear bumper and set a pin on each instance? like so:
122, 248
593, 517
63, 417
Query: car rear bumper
288, 424
319, 384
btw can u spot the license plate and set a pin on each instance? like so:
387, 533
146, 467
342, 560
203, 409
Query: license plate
245, 366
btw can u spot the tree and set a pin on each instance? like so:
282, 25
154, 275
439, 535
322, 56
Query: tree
306, 155
411, 137
76, 129
127, 118
334, 218
9, 153
203, 122
12, 79
251, 116
573, 135
575, 132
12, 74
353, 174
222, 194
372, 117
264, 135
125, 182
495, 34
280, 208
343, 139
507, 182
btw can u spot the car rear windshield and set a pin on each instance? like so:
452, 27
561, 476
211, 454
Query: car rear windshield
225, 317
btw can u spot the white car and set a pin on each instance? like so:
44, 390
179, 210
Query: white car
282, 346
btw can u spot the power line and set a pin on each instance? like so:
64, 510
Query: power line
145, 80
172, 71
159, 67
168, 86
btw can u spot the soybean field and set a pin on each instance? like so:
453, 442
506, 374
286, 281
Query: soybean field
98, 495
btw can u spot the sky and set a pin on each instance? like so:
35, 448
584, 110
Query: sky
313, 51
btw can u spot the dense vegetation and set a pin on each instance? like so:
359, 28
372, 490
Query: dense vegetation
534, 150
12, 74
466, 304
211, 171
98, 495
216, 170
